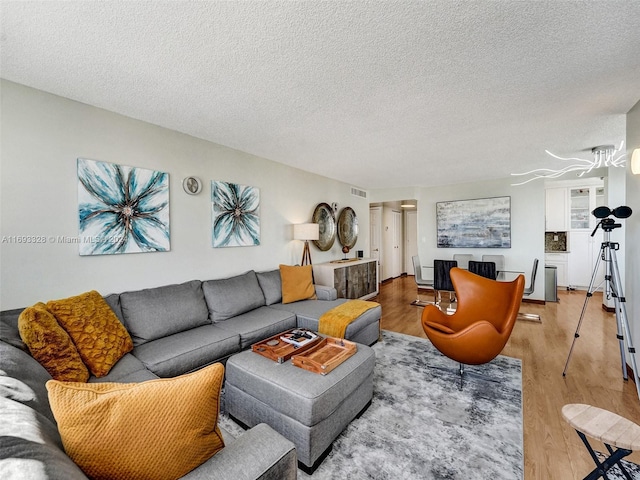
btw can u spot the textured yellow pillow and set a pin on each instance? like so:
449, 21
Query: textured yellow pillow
51, 345
297, 283
160, 429
97, 333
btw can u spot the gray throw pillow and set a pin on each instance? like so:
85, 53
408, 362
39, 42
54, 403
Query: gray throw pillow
158, 312
271, 285
232, 296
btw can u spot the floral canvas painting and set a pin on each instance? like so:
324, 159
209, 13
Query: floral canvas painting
235, 215
122, 209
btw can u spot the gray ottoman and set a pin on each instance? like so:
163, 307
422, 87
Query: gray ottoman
309, 409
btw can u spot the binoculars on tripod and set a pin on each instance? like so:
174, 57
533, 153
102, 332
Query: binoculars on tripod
619, 212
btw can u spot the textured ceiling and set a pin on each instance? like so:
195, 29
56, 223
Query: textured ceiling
377, 94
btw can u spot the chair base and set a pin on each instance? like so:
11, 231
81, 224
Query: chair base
532, 317
421, 303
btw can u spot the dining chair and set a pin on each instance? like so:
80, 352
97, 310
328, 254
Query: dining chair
528, 291
498, 260
442, 280
421, 282
484, 269
463, 259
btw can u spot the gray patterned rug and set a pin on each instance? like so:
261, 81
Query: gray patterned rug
422, 424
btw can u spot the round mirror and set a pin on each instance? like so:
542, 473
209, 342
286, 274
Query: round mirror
347, 228
323, 216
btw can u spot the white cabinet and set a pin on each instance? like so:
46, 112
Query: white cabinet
556, 209
568, 208
559, 260
584, 251
583, 248
582, 202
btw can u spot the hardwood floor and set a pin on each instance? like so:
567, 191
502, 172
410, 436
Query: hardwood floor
552, 450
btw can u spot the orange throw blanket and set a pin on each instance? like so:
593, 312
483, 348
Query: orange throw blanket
334, 322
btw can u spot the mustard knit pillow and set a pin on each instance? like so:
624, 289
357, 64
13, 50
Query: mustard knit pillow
97, 333
160, 429
51, 345
297, 283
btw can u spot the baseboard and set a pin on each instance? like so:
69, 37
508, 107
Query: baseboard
533, 300
610, 310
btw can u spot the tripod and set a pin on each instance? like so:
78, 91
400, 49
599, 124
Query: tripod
613, 289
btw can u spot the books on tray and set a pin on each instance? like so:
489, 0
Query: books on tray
299, 337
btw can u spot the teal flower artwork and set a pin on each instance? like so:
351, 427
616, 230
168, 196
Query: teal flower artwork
235, 217
122, 209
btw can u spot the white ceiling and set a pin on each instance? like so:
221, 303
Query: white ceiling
374, 93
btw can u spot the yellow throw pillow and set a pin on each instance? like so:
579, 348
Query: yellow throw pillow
97, 333
51, 345
297, 283
160, 429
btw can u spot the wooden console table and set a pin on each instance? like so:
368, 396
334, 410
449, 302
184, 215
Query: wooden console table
352, 279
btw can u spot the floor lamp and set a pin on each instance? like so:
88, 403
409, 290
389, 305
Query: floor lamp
306, 232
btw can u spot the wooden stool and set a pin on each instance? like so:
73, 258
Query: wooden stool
610, 429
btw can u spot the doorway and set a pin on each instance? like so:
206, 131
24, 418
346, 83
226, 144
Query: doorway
375, 236
393, 237
396, 244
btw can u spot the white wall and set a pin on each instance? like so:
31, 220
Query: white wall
616, 196
527, 222
632, 233
41, 137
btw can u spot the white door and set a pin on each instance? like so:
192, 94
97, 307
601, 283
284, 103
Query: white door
375, 234
396, 261
410, 240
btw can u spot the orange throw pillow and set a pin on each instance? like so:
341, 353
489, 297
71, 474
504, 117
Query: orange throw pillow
51, 345
297, 283
97, 333
160, 429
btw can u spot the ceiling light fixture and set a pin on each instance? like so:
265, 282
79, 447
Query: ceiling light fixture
603, 156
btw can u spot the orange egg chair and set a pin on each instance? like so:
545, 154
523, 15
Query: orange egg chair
482, 323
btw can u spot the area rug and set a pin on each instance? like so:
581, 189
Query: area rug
424, 423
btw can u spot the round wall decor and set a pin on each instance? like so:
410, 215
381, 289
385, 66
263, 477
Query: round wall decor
324, 217
192, 185
347, 228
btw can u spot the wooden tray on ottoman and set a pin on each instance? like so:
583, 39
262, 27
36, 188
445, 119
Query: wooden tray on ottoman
281, 351
324, 356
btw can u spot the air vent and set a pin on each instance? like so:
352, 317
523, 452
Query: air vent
356, 192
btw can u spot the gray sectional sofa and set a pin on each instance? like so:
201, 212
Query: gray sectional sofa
175, 329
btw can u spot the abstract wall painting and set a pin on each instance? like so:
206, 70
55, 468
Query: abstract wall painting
235, 215
479, 223
122, 209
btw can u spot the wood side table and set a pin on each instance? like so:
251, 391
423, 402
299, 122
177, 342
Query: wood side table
619, 435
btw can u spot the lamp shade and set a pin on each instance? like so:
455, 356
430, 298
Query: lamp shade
306, 231
635, 162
